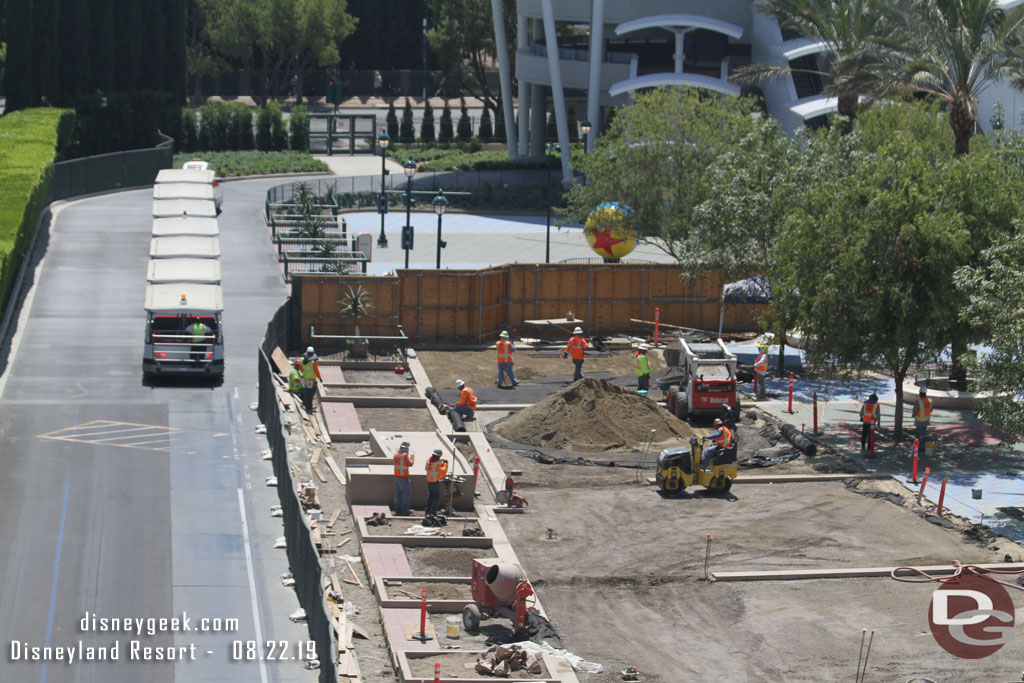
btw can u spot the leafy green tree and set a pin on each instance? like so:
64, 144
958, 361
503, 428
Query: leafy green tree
18, 87
101, 43
45, 22
994, 287
462, 38
74, 76
175, 58
128, 46
954, 51
446, 133
464, 131
656, 159
392, 121
752, 190
427, 125
154, 46
486, 129
264, 127
852, 30
407, 133
867, 255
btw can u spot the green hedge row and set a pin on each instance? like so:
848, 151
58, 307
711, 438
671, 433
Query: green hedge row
32, 140
222, 126
255, 163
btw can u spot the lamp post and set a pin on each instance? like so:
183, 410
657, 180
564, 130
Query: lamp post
585, 128
547, 194
410, 170
440, 206
382, 201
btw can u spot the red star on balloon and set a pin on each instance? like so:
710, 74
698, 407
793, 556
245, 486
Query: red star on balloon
604, 240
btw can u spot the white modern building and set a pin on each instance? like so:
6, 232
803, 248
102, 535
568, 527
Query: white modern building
607, 49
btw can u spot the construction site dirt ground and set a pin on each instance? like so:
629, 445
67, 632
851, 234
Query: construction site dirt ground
623, 580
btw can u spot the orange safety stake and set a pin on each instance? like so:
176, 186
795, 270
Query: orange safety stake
942, 495
437, 672
924, 481
791, 393
815, 413
914, 475
657, 320
423, 616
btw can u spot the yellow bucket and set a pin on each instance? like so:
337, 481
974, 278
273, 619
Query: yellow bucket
453, 627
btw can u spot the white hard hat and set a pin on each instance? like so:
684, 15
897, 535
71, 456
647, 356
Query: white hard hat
309, 349
459, 383
644, 347
578, 330
404, 446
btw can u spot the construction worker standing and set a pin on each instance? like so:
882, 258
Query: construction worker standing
404, 460
722, 439
467, 400
642, 367
576, 346
295, 378
870, 415
505, 350
922, 414
437, 469
761, 369
310, 374
199, 333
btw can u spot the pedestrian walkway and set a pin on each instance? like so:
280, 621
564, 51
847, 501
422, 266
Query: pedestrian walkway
970, 455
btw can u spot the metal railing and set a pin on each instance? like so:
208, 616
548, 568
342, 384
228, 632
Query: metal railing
114, 171
331, 266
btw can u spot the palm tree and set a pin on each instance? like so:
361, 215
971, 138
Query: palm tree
851, 30
954, 50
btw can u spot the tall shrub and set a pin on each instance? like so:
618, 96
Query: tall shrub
486, 130
465, 130
214, 125
241, 135
189, 140
407, 134
446, 132
392, 121
278, 134
298, 128
264, 141
500, 134
427, 126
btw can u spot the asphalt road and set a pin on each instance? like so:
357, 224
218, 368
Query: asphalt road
124, 500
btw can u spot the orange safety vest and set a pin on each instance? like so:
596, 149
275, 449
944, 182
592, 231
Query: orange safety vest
436, 470
923, 411
467, 397
504, 351
761, 364
725, 438
403, 461
576, 346
870, 410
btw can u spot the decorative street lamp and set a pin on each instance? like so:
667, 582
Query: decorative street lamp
547, 194
410, 170
382, 200
440, 204
585, 127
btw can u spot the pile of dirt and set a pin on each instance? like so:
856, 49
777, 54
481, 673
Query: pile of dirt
593, 416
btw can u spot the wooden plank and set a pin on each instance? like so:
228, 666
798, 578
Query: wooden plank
851, 572
354, 583
320, 473
285, 397
334, 518
281, 361
317, 540
356, 576
334, 468
316, 457
343, 543
336, 583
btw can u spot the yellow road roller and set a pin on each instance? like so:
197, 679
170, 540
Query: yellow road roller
679, 467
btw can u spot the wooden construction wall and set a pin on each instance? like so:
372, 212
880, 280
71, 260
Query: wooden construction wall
473, 306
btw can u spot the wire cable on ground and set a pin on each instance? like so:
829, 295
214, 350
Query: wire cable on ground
961, 569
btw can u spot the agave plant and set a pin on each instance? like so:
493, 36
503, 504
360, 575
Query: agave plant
356, 303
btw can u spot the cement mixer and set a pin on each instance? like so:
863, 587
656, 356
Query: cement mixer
498, 588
